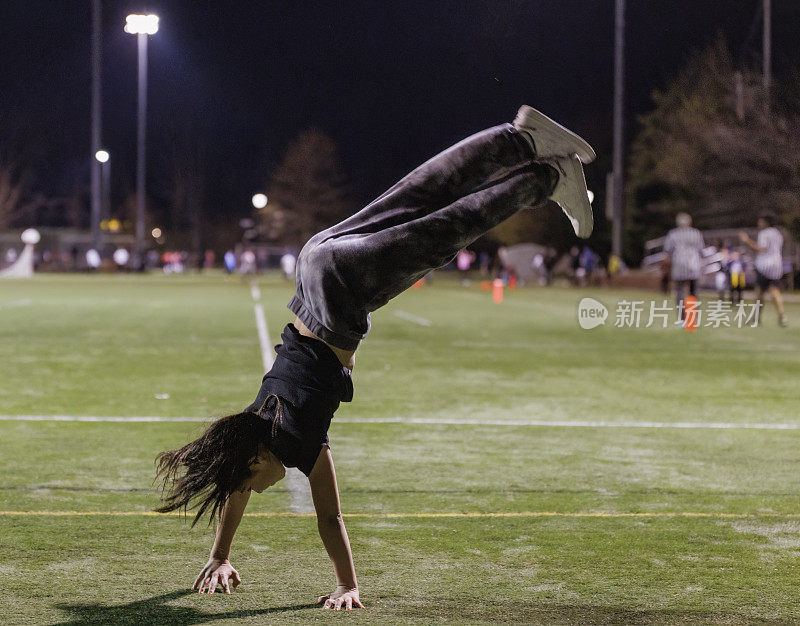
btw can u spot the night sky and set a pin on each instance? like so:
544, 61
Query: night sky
391, 82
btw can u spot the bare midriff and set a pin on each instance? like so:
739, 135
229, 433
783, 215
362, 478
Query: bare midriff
346, 357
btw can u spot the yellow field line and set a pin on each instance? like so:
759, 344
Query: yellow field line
575, 514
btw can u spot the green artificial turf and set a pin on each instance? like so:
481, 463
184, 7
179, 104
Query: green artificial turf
605, 525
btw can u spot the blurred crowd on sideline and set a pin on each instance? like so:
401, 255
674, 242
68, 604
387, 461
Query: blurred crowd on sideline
727, 265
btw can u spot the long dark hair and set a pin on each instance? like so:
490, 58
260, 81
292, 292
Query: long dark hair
203, 473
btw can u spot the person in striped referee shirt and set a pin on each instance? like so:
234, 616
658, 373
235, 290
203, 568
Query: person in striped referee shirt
769, 261
684, 245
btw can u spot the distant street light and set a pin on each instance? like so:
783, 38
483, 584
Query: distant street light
259, 200
141, 26
30, 236
102, 157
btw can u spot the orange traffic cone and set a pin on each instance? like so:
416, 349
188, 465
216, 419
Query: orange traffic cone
690, 313
497, 290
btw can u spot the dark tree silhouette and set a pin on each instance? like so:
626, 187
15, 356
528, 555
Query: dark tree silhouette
307, 192
15, 198
189, 187
710, 149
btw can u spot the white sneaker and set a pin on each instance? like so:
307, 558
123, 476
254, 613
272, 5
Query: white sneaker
572, 196
550, 139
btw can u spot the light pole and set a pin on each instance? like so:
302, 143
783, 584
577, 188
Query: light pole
96, 120
617, 174
767, 54
102, 157
141, 26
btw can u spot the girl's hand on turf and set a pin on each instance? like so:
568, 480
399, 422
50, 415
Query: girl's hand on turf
346, 597
217, 572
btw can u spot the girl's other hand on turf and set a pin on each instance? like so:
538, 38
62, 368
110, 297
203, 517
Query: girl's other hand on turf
217, 572
343, 597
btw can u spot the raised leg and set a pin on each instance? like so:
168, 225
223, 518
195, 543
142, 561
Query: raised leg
347, 275
476, 162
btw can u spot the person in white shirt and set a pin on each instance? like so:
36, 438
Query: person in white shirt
684, 245
769, 262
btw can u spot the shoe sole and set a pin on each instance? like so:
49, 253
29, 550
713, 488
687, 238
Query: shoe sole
583, 221
540, 124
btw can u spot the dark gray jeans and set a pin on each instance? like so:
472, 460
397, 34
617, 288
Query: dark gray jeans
355, 267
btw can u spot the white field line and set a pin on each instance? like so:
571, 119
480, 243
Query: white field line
433, 422
261, 326
296, 482
432, 515
572, 423
15, 303
414, 319
92, 418
263, 336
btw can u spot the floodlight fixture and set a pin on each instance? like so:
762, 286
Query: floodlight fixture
141, 24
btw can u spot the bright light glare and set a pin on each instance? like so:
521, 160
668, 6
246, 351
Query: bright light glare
156, 233
31, 236
259, 201
591, 195
141, 24
101, 155
121, 256
93, 259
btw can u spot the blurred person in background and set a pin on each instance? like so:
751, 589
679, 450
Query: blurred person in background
721, 277
484, 261
589, 261
665, 273
768, 262
229, 260
736, 275
247, 263
152, 259
684, 245
550, 260
464, 260
616, 266
209, 259
288, 264
575, 265
343, 274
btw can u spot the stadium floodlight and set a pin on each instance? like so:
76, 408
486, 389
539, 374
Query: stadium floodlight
141, 24
259, 200
102, 156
